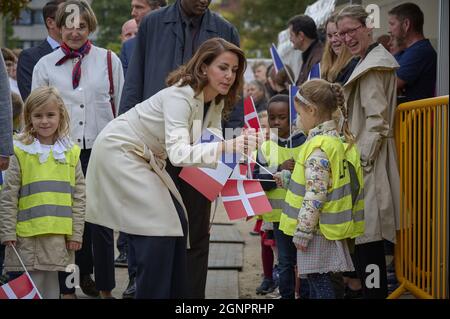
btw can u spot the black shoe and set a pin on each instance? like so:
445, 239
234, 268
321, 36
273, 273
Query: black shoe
87, 285
267, 286
131, 289
353, 294
122, 260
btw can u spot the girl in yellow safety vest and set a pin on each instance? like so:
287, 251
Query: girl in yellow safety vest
320, 196
43, 199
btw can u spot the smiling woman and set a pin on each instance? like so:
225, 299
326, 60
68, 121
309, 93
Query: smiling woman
128, 183
371, 100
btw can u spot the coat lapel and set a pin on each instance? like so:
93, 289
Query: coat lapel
208, 29
173, 17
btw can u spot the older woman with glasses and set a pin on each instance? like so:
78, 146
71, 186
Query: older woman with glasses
371, 100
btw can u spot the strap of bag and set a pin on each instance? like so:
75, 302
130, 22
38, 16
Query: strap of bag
111, 84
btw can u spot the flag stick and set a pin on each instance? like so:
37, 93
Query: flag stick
26, 271
257, 163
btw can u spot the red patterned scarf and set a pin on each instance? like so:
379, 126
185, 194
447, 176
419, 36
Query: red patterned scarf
74, 54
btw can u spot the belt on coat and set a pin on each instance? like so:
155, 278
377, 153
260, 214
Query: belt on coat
156, 156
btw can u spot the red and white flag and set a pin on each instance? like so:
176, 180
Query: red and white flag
251, 119
209, 182
20, 288
243, 198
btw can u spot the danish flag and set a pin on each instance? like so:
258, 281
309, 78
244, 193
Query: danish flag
20, 288
251, 119
208, 181
244, 198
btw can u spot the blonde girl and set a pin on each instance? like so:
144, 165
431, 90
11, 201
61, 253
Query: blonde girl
43, 199
317, 235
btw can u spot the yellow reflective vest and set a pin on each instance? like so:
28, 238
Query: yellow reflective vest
342, 215
274, 156
45, 197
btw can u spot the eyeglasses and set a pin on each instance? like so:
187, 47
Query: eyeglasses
351, 33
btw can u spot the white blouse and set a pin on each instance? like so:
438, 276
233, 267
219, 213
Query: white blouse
88, 105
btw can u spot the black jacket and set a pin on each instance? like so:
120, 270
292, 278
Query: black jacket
159, 49
25, 66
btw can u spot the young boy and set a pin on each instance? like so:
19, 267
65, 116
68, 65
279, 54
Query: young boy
276, 154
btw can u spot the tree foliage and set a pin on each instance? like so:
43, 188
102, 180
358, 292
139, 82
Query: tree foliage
12, 7
260, 21
111, 15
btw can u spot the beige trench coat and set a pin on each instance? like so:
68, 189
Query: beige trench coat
371, 100
127, 186
47, 252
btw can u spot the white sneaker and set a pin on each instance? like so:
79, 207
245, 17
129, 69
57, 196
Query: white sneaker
274, 295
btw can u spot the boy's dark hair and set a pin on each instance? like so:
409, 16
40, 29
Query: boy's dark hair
411, 12
49, 10
304, 24
278, 98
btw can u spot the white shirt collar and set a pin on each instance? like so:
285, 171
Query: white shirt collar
58, 149
53, 43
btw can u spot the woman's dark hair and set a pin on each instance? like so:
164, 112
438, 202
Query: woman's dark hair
191, 73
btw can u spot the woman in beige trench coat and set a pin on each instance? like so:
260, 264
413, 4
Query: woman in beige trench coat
128, 187
371, 101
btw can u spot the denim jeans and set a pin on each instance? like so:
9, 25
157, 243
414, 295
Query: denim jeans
287, 259
321, 286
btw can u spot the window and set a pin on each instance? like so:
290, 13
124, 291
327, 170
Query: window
26, 18
37, 17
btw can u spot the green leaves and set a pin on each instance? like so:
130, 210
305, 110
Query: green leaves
12, 7
260, 21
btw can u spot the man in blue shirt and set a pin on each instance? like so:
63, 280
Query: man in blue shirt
418, 62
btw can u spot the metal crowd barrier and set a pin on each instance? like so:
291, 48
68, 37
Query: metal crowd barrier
421, 253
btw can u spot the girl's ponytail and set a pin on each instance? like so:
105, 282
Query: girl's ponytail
340, 102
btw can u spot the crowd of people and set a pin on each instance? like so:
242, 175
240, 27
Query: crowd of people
92, 143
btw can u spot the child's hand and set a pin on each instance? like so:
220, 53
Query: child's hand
278, 180
73, 245
301, 247
10, 243
288, 165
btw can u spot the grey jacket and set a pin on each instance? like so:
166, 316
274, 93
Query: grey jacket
6, 125
159, 50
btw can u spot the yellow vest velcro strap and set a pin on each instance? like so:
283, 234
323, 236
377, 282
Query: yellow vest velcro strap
358, 216
46, 186
43, 211
296, 188
276, 203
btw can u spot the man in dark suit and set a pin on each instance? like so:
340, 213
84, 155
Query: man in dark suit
166, 39
29, 57
139, 9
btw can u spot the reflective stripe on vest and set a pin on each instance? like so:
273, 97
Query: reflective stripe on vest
275, 155
44, 210
340, 218
46, 186
45, 198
